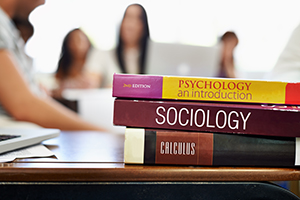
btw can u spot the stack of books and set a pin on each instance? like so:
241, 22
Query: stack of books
208, 121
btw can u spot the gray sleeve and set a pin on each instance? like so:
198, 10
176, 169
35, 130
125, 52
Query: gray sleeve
6, 41
287, 67
2, 44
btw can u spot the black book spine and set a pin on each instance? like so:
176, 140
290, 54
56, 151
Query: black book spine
197, 148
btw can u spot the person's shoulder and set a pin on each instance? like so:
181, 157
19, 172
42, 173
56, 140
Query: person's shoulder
6, 40
6, 36
294, 38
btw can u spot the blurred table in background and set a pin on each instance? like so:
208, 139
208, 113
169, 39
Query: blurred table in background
92, 105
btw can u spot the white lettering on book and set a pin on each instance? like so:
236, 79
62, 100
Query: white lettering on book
177, 148
141, 86
200, 117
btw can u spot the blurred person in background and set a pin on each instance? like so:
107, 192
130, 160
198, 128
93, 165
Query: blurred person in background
133, 40
129, 56
70, 72
21, 99
287, 67
229, 41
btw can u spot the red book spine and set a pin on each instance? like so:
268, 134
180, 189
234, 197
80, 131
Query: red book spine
252, 119
197, 148
175, 148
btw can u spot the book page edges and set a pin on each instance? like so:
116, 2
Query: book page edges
134, 145
297, 154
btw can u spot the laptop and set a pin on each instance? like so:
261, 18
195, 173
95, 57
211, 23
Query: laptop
12, 139
182, 59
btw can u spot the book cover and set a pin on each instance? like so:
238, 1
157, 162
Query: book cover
150, 146
205, 89
251, 119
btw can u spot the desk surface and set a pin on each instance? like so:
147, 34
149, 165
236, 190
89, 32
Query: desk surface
95, 156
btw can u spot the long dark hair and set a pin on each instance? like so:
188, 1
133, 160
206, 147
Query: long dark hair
64, 63
143, 43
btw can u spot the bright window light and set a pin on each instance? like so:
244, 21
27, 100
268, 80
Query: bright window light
263, 27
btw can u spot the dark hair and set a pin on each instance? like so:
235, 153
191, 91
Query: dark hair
65, 60
229, 35
143, 43
25, 28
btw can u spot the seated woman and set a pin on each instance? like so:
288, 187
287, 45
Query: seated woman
229, 41
133, 39
129, 56
70, 72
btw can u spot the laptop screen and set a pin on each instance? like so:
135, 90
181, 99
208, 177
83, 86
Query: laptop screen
182, 60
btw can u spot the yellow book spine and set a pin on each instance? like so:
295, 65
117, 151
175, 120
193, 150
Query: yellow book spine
229, 90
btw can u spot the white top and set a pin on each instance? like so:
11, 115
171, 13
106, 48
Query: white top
287, 67
132, 61
105, 63
11, 40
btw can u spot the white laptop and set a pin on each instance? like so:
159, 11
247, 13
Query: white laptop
12, 139
182, 60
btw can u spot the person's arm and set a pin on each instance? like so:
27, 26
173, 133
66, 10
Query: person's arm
228, 63
23, 105
229, 68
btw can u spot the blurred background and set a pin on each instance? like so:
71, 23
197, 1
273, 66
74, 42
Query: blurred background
263, 27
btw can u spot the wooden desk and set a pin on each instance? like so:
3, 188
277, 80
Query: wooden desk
95, 159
